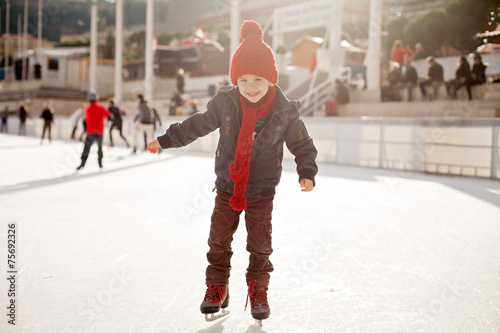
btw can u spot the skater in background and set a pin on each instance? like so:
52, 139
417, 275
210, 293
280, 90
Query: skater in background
94, 117
254, 119
157, 119
48, 119
144, 121
180, 80
77, 116
192, 107
175, 102
5, 119
116, 116
84, 125
24, 114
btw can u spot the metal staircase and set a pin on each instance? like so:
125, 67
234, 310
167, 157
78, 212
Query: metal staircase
314, 91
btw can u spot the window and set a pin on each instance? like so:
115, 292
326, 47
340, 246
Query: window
53, 64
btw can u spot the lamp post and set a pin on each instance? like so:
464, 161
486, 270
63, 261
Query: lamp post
39, 28
336, 53
19, 31
7, 23
25, 41
372, 58
148, 77
93, 46
235, 26
118, 50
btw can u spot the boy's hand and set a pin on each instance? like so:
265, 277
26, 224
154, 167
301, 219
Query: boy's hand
307, 185
153, 146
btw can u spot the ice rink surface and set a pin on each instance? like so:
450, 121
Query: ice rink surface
122, 249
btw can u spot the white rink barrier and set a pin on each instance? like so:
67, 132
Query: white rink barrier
447, 145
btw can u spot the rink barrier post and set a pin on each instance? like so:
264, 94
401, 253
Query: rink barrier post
495, 160
381, 153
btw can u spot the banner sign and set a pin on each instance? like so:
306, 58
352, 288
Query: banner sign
305, 15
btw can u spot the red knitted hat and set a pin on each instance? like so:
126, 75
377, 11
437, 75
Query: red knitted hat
253, 56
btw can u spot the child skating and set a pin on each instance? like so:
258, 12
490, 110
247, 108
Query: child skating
254, 119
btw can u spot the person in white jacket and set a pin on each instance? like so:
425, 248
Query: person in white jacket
77, 116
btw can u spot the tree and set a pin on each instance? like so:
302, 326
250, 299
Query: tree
465, 18
396, 30
454, 26
135, 45
107, 46
429, 30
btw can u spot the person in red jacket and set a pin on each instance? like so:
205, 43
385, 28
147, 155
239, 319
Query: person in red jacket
398, 52
94, 118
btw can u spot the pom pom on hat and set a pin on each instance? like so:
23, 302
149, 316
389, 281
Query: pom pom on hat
253, 56
251, 29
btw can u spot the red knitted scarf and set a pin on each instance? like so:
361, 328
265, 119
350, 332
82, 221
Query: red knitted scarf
239, 169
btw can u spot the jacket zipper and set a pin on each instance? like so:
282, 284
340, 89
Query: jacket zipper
263, 128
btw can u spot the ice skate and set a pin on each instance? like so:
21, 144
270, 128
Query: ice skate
258, 302
216, 298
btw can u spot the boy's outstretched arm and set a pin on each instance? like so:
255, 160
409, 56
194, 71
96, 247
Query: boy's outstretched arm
306, 185
198, 125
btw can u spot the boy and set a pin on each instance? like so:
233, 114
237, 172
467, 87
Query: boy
254, 120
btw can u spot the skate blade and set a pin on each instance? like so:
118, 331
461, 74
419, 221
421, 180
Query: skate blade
212, 317
258, 322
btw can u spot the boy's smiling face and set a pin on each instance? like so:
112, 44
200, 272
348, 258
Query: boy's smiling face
253, 87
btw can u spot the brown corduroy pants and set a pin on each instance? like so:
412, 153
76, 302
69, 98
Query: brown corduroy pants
225, 221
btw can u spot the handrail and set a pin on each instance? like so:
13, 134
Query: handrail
296, 86
319, 93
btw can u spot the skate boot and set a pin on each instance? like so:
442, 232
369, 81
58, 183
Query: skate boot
258, 301
216, 298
